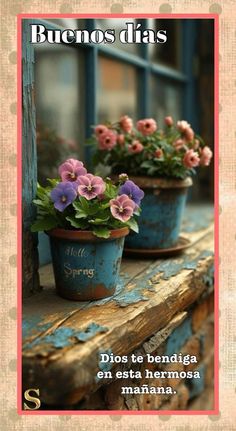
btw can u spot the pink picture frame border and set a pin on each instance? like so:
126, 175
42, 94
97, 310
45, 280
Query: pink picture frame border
215, 411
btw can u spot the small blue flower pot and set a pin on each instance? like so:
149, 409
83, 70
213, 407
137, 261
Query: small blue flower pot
86, 267
162, 210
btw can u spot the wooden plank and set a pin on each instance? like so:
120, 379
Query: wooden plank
29, 167
54, 310
66, 373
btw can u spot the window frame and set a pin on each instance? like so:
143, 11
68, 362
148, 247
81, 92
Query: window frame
145, 69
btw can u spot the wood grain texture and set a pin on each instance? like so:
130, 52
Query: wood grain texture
29, 167
67, 373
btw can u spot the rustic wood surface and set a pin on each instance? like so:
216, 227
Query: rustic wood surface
62, 339
30, 278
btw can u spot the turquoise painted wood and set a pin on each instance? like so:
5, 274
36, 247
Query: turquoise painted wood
30, 278
86, 269
160, 220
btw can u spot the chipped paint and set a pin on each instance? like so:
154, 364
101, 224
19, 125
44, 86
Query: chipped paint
164, 270
197, 386
130, 297
104, 366
178, 337
64, 336
172, 267
86, 279
160, 219
33, 326
91, 330
208, 278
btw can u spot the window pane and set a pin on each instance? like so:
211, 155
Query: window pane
70, 23
59, 104
117, 90
168, 53
166, 99
118, 25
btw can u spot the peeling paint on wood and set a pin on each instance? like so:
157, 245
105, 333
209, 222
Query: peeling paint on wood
104, 366
29, 167
179, 337
127, 327
64, 336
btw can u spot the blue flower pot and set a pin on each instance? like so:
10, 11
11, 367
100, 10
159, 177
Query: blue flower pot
86, 267
162, 210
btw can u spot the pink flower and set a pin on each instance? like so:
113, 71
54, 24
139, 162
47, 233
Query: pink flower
205, 156
126, 123
147, 126
189, 134
122, 208
169, 121
135, 147
107, 140
182, 125
90, 186
158, 153
121, 140
191, 159
178, 144
71, 170
100, 129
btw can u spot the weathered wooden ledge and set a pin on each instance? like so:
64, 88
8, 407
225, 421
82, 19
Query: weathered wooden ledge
62, 339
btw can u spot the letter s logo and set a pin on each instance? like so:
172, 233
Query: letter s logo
32, 399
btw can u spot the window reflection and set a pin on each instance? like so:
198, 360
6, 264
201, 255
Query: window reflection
166, 99
59, 113
168, 53
118, 25
117, 90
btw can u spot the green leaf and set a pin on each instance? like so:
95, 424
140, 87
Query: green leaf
111, 190
83, 206
53, 181
147, 164
101, 231
98, 221
81, 214
40, 202
79, 224
133, 225
46, 223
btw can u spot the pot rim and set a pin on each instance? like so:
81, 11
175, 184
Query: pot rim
86, 235
161, 183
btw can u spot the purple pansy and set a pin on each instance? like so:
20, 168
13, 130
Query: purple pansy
90, 186
122, 208
63, 195
133, 191
71, 169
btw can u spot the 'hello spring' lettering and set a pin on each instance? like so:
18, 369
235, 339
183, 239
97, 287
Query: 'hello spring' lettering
71, 251
75, 272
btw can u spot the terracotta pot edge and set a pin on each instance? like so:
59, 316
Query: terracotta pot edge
148, 182
86, 235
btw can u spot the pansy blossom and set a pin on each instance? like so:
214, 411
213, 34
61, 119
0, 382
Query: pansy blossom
122, 208
63, 195
71, 169
90, 186
133, 191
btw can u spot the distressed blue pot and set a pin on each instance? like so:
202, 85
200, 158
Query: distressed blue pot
162, 210
86, 267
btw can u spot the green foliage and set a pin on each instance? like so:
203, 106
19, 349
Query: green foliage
82, 214
169, 164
